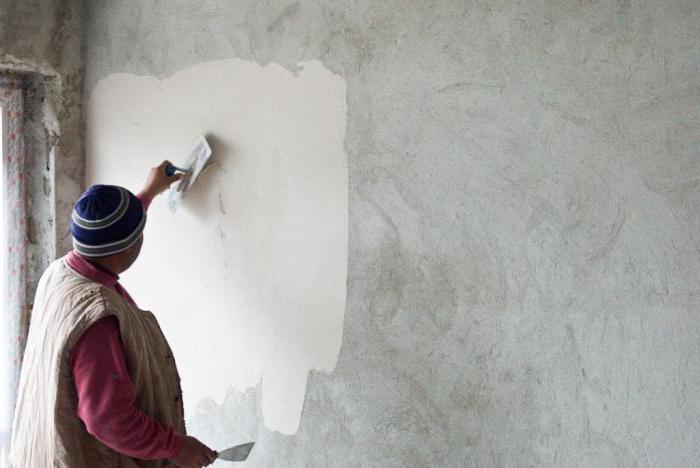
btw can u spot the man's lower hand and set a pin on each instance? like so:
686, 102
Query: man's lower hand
194, 454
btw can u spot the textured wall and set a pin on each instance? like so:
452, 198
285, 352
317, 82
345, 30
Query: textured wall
44, 40
524, 225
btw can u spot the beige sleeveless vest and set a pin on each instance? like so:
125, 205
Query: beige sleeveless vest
47, 431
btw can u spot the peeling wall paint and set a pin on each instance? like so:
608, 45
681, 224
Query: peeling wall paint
248, 277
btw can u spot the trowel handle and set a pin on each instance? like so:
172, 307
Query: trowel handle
170, 170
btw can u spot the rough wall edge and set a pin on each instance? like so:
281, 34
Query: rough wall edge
61, 116
292, 68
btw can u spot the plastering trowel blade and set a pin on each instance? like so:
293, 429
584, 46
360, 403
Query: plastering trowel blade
195, 163
237, 453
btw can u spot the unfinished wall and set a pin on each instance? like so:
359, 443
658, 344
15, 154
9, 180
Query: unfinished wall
523, 245
43, 41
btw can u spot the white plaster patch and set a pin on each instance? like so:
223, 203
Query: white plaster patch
248, 277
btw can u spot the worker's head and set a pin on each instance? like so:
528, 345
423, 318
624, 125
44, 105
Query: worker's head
107, 226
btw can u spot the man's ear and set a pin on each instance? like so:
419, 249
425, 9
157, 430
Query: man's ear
137, 244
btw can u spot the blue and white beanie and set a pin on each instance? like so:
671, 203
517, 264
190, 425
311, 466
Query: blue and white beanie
106, 220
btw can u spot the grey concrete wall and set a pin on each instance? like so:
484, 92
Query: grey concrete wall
40, 187
43, 40
525, 224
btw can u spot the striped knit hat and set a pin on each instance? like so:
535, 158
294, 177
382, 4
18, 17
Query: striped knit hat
106, 220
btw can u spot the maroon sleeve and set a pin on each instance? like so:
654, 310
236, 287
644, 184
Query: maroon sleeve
106, 397
145, 200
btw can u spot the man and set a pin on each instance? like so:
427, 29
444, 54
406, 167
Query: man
99, 386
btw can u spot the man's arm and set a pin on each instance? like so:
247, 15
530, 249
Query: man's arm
106, 402
106, 397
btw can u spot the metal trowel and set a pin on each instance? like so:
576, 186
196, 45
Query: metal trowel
237, 453
195, 165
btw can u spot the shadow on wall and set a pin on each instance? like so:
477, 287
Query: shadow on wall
223, 156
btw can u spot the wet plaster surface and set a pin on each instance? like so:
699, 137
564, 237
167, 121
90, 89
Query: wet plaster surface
523, 245
248, 276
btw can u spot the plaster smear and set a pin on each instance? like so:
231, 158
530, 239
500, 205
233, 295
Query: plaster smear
248, 277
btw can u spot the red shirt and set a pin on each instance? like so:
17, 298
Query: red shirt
106, 401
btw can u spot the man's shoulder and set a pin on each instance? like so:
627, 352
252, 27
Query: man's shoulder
62, 283
60, 275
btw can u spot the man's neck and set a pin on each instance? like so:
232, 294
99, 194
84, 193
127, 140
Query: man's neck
100, 266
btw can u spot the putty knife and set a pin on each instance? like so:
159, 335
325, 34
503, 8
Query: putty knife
237, 453
195, 163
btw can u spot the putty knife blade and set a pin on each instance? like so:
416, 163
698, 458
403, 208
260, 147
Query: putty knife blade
237, 453
195, 164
